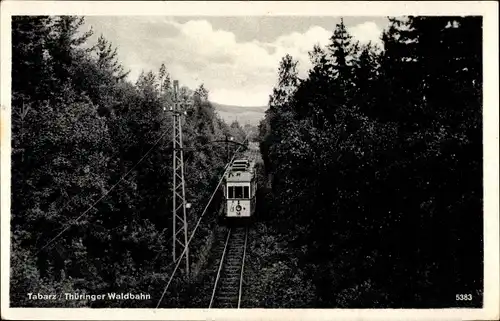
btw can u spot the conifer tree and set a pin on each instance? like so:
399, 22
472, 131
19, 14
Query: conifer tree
201, 93
376, 135
107, 59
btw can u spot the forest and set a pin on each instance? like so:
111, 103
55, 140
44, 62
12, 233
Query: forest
92, 167
374, 167
370, 187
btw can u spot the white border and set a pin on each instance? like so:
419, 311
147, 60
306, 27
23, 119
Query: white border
489, 11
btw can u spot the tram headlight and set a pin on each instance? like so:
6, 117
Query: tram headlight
238, 208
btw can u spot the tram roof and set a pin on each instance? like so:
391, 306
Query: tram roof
239, 176
241, 171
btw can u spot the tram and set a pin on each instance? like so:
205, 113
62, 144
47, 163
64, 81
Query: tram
239, 190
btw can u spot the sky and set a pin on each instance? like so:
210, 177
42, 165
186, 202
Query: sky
236, 58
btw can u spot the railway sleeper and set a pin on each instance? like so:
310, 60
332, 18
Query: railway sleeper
228, 298
227, 292
228, 288
231, 281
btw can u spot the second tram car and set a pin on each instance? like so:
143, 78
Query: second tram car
239, 191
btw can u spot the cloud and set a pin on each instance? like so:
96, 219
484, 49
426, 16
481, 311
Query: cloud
236, 73
366, 32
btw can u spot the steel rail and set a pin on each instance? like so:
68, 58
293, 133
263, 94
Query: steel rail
242, 268
220, 269
228, 165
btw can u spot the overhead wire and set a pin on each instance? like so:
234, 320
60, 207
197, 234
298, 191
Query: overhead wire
69, 225
198, 223
110, 157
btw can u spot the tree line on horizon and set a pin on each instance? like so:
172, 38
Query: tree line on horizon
80, 131
374, 162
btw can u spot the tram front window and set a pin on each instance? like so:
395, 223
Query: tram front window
238, 192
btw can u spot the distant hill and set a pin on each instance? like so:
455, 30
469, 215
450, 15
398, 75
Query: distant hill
244, 115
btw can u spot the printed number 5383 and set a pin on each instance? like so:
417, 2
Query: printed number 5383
463, 297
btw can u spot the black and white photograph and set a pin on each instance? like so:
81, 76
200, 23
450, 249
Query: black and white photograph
250, 159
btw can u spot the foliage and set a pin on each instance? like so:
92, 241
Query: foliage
372, 180
91, 167
273, 277
375, 165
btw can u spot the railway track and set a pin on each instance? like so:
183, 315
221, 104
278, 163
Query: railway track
228, 285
